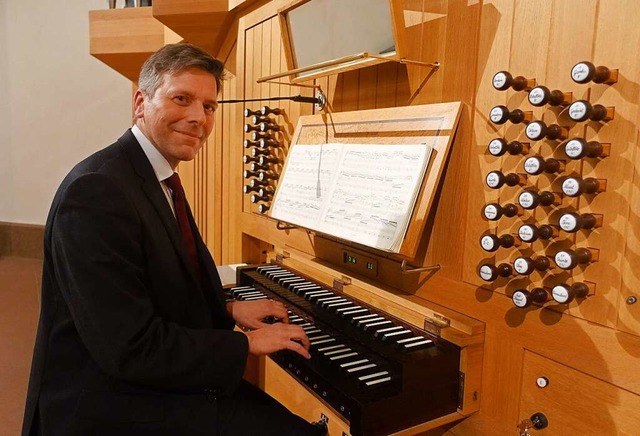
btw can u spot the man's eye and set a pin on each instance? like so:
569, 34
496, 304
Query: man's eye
180, 98
209, 108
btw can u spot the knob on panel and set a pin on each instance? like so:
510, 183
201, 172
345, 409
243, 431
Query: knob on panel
537, 165
569, 259
578, 148
493, 211
585, 72
266, 110
537, 130
503, 80
497, 179
541, 95
501, 114
491, 243
574, 186
572, 222
530, 199
531, 233
565, 294
498, 147
527, 265
522, 298
582, 110
489, 272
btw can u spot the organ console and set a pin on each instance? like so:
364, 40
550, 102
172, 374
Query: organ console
380, 373
503, 80
531, 199
501, 114
496, 179
522, 298
565, 294
531, 233
574, 186
569, 259
578, 148
537, 165
537, 130
493, 211
489, 272
572, 222
582, 110
493, 242
541, 95
585, 72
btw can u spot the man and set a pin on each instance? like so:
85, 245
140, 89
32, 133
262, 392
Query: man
135, 337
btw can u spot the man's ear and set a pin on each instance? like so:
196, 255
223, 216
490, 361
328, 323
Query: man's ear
138, 104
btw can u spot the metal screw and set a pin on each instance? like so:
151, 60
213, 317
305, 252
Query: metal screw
632, 300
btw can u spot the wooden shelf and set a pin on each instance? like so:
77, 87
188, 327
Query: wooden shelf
124, 38
201, 22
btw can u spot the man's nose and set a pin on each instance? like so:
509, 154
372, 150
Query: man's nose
197, 113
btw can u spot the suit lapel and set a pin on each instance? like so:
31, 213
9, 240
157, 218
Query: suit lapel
152, 189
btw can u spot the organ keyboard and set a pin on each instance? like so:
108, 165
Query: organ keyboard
380, 373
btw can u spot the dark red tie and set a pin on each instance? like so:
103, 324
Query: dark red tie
180, 208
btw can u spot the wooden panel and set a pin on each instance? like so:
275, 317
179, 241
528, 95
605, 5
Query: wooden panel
124, 38
572, 397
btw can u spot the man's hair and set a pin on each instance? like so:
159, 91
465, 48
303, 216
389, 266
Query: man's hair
172, 59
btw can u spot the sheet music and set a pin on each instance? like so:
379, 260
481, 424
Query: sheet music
363, 193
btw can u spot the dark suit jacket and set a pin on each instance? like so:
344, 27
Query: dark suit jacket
129, 341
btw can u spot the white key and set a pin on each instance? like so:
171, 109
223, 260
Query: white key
361, 368
375, 375
342, 356
355, 362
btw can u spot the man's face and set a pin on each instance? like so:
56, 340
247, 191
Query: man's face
180, 116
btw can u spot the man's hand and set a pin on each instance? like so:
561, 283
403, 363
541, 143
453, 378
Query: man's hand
277, 337
251, 314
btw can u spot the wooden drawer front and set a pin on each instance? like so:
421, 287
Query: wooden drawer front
576, 403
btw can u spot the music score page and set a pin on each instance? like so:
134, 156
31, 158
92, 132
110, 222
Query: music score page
364, 193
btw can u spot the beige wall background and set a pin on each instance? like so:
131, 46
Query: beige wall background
58, 104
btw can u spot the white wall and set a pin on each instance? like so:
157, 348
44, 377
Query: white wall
58, 104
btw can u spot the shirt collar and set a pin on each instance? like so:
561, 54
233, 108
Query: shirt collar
160, 165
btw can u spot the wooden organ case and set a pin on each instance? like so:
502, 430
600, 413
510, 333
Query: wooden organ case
534, 223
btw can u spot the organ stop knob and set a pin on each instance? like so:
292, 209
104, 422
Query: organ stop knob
493, 211
585, 72
537, 130
501, 114
530, 233
498, 147
572, 222
541, 95
489, 272
582, 110
496, 179
569, 259
503, 80
522, 298
578, 148
565, 294
491, 243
